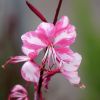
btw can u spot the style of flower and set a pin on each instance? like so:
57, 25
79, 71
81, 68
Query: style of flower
18, 93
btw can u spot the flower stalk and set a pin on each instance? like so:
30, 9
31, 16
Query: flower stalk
39, 93
40, 85
36, 11
57, 11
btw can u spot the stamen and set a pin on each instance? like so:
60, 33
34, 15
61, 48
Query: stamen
36, 11
53, 56
6, 63
45, 56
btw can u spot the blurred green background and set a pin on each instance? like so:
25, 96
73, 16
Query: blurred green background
16, 19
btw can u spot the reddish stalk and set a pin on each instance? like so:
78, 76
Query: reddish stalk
36, 11
39, 93
57, 11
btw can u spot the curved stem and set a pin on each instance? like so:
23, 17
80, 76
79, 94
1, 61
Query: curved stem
57, 11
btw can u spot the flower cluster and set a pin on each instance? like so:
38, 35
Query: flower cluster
54, 41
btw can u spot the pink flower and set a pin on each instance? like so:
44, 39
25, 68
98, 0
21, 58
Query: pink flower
18, 93
57, 40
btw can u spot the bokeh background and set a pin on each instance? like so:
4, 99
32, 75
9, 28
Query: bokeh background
16, 19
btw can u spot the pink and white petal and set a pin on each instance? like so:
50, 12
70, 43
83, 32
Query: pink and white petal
69, 70
64, 54
45, 32
64, 38
62, 50
66, 35
73, 65
18, 87
30, 72
76, 59
31, 39
29, 52
62, 23
33, 47
45, 28
72, 77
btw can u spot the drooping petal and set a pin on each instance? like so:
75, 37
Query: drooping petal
69, 70
16, 59
30, 72
18, 93
32, 41
45, 32
65, 33
73, 65
72, 77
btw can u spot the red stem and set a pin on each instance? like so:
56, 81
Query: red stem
40, 84
57, 11
39, 93
36, 11
53, 72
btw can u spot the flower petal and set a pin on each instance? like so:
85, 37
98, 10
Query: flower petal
65, 37
72, 77
65, 33
18, 87
30, 72
32, 41
69, 70
45, 32
29, 52
62, 23
64, 53
46, 28
73, 65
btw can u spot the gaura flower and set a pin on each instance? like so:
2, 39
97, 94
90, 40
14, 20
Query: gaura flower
57, 39
18, 93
